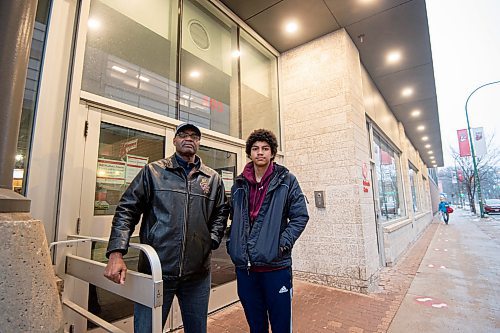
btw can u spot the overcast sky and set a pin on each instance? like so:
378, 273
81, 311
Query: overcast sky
465, 40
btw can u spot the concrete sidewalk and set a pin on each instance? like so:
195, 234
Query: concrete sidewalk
322, 309
457, 287
448, 281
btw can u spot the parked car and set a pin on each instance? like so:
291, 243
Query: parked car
492, 206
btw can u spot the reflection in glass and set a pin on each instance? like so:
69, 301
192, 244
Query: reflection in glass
225, 164
106, 304
30, 96
209, 82
259, 87
389, 180
130, 53
413, 179
122, 154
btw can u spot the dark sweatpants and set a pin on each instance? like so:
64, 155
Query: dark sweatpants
266, 297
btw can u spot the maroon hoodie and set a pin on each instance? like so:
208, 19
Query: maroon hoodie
257, 190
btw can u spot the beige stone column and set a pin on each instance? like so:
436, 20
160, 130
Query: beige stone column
29, 301
326, 142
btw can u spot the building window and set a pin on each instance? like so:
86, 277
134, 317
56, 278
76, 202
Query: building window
30, 96
209, 76
130, 55
387, 166
216, 76
259, 87
413, 186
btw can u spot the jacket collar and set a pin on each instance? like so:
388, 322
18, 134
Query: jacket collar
171, 163
277, 176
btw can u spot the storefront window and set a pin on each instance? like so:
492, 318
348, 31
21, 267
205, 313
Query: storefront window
389, 180
30, 96
413, 185
130, 55
259, 87
123, 152
209, 77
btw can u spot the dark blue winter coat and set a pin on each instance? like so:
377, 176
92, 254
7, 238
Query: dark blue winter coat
281, 219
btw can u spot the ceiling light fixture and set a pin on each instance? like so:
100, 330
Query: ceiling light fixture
415, 113
425, 138
430, 152
432, 157
393, 57
406, 92
427, 146
291, 27
236, 53
194, 74
93, 23
421, 127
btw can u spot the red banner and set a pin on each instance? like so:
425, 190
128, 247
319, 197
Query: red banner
463, 143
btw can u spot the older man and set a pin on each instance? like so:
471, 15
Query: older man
184, 215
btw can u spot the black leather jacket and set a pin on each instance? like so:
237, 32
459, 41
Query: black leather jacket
183, 217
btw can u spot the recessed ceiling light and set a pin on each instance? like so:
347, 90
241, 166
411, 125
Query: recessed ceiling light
194, 74
421, 127
427, 146
93, 23
415, 113
406, 92
19, 157
425, 138
236, 53
119, 69
142, 78
393, 57
432, 157
430, 152
291, 27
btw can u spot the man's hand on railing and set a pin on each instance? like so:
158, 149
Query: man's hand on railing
116, 268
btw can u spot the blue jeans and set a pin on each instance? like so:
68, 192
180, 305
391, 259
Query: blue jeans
193, 300
266, 298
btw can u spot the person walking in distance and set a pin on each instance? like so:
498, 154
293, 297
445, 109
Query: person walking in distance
444, 208
269, 213
184, 214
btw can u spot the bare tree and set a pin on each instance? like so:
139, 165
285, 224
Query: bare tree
487, 165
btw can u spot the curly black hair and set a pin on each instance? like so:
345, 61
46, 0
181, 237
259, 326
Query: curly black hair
265, 136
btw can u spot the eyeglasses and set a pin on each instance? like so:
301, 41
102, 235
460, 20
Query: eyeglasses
183, 135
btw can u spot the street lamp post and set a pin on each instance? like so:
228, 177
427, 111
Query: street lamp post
476, 175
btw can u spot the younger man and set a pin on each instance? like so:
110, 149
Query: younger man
268, 215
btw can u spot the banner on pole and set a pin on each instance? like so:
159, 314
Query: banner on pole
479, 141
463, 143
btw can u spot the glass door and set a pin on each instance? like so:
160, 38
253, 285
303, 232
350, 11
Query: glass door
116, 150
223, 159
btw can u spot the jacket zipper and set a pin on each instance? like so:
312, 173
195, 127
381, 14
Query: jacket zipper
185, 226
249, 264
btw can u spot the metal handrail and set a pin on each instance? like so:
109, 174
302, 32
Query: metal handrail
135, 288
